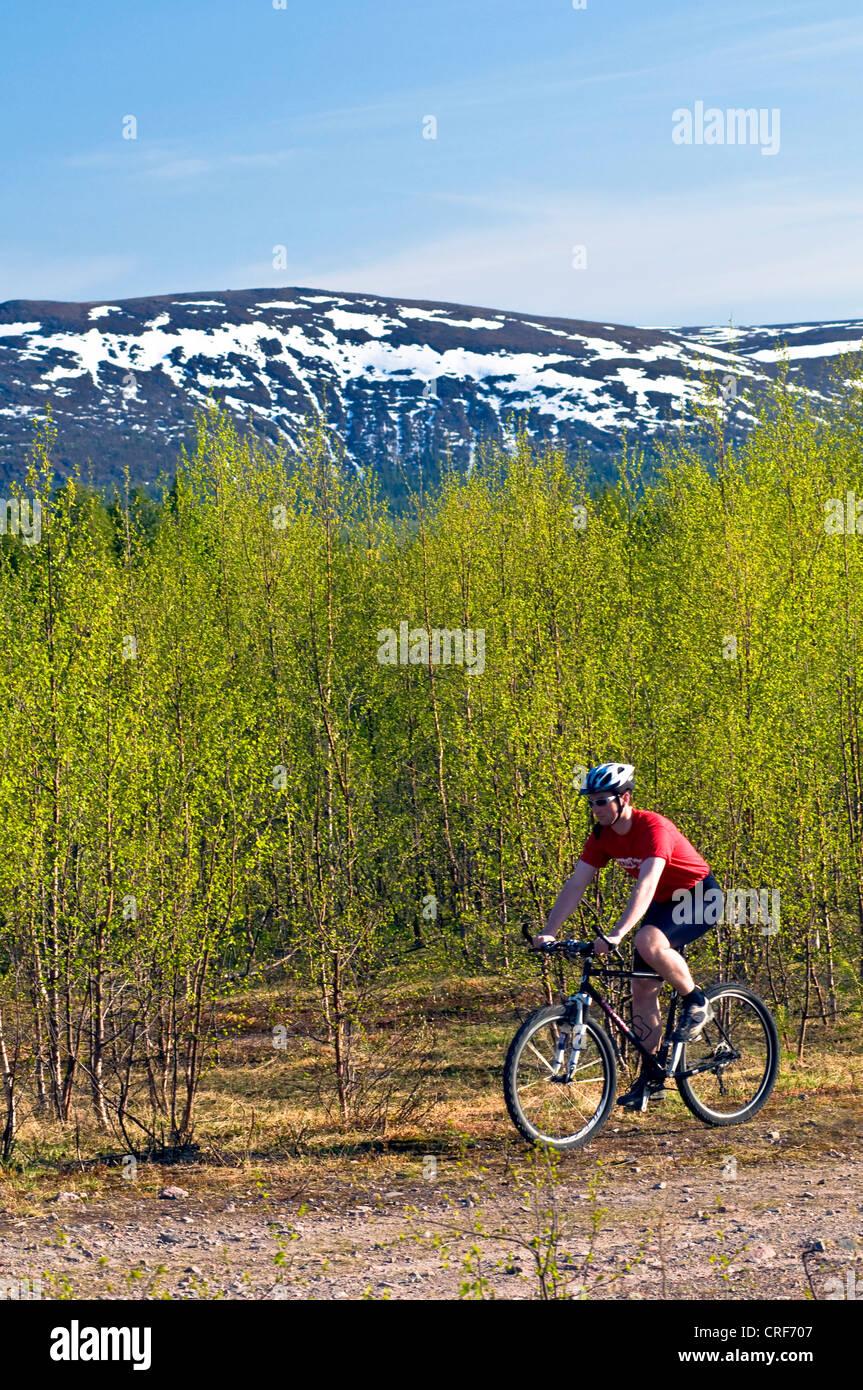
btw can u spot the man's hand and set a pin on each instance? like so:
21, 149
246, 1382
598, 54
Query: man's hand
603, 947
544, 938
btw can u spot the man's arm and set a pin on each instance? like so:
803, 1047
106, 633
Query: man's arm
639, 899
567, 900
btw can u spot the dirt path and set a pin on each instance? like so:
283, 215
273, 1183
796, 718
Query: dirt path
672, 1207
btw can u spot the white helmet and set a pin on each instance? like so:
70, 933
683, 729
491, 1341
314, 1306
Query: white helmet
616, 778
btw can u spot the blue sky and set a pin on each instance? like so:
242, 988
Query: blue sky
302, 127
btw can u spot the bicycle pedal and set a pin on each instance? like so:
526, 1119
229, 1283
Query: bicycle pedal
640, 1103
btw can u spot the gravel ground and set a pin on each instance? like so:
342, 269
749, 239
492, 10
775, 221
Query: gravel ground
685, 1224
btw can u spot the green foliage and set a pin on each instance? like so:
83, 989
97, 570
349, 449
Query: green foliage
208, 769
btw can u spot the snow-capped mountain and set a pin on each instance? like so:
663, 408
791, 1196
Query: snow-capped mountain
400, 379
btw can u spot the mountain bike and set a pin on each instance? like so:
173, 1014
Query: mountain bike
560, 1075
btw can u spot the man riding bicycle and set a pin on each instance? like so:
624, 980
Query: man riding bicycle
653, 851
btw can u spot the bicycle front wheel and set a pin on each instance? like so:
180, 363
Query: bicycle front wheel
546, 1104
727, 1074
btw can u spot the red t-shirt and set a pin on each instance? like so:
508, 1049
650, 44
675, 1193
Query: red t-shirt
649, 835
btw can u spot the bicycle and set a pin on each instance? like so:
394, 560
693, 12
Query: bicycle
561, 1067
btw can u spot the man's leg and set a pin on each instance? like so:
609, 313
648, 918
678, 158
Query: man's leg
646, 1020
653, 946
646, 1025
653, 949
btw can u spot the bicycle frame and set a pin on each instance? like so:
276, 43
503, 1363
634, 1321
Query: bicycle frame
586, 993
578, 1003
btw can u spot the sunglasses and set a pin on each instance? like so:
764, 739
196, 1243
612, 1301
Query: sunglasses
600, 800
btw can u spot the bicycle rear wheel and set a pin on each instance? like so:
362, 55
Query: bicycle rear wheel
733, 1065
545, 1106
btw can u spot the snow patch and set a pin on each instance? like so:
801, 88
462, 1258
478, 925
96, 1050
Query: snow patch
807, 350
17, 330
323, 299
372, 324
435, 316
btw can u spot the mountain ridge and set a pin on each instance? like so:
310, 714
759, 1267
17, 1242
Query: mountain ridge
404, 381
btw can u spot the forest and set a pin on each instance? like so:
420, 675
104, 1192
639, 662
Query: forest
277, 755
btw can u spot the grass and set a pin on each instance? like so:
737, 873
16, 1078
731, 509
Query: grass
259, 1104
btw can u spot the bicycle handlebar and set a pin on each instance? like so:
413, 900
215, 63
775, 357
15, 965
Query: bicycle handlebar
571, 949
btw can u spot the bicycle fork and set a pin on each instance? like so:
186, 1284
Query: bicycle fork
572, 1030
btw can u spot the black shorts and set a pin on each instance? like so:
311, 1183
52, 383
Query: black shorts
682, 921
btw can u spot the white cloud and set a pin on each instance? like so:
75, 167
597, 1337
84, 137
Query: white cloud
760, 254
181, 168
804, 42
171, 162
63, 278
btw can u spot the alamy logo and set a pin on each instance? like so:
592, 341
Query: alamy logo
738, 905
852, 1289
15, 519
21, 1288
844, 515
736, 126
442, 647
77, 1343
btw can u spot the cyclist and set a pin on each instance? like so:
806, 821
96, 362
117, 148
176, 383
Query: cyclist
651, 850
